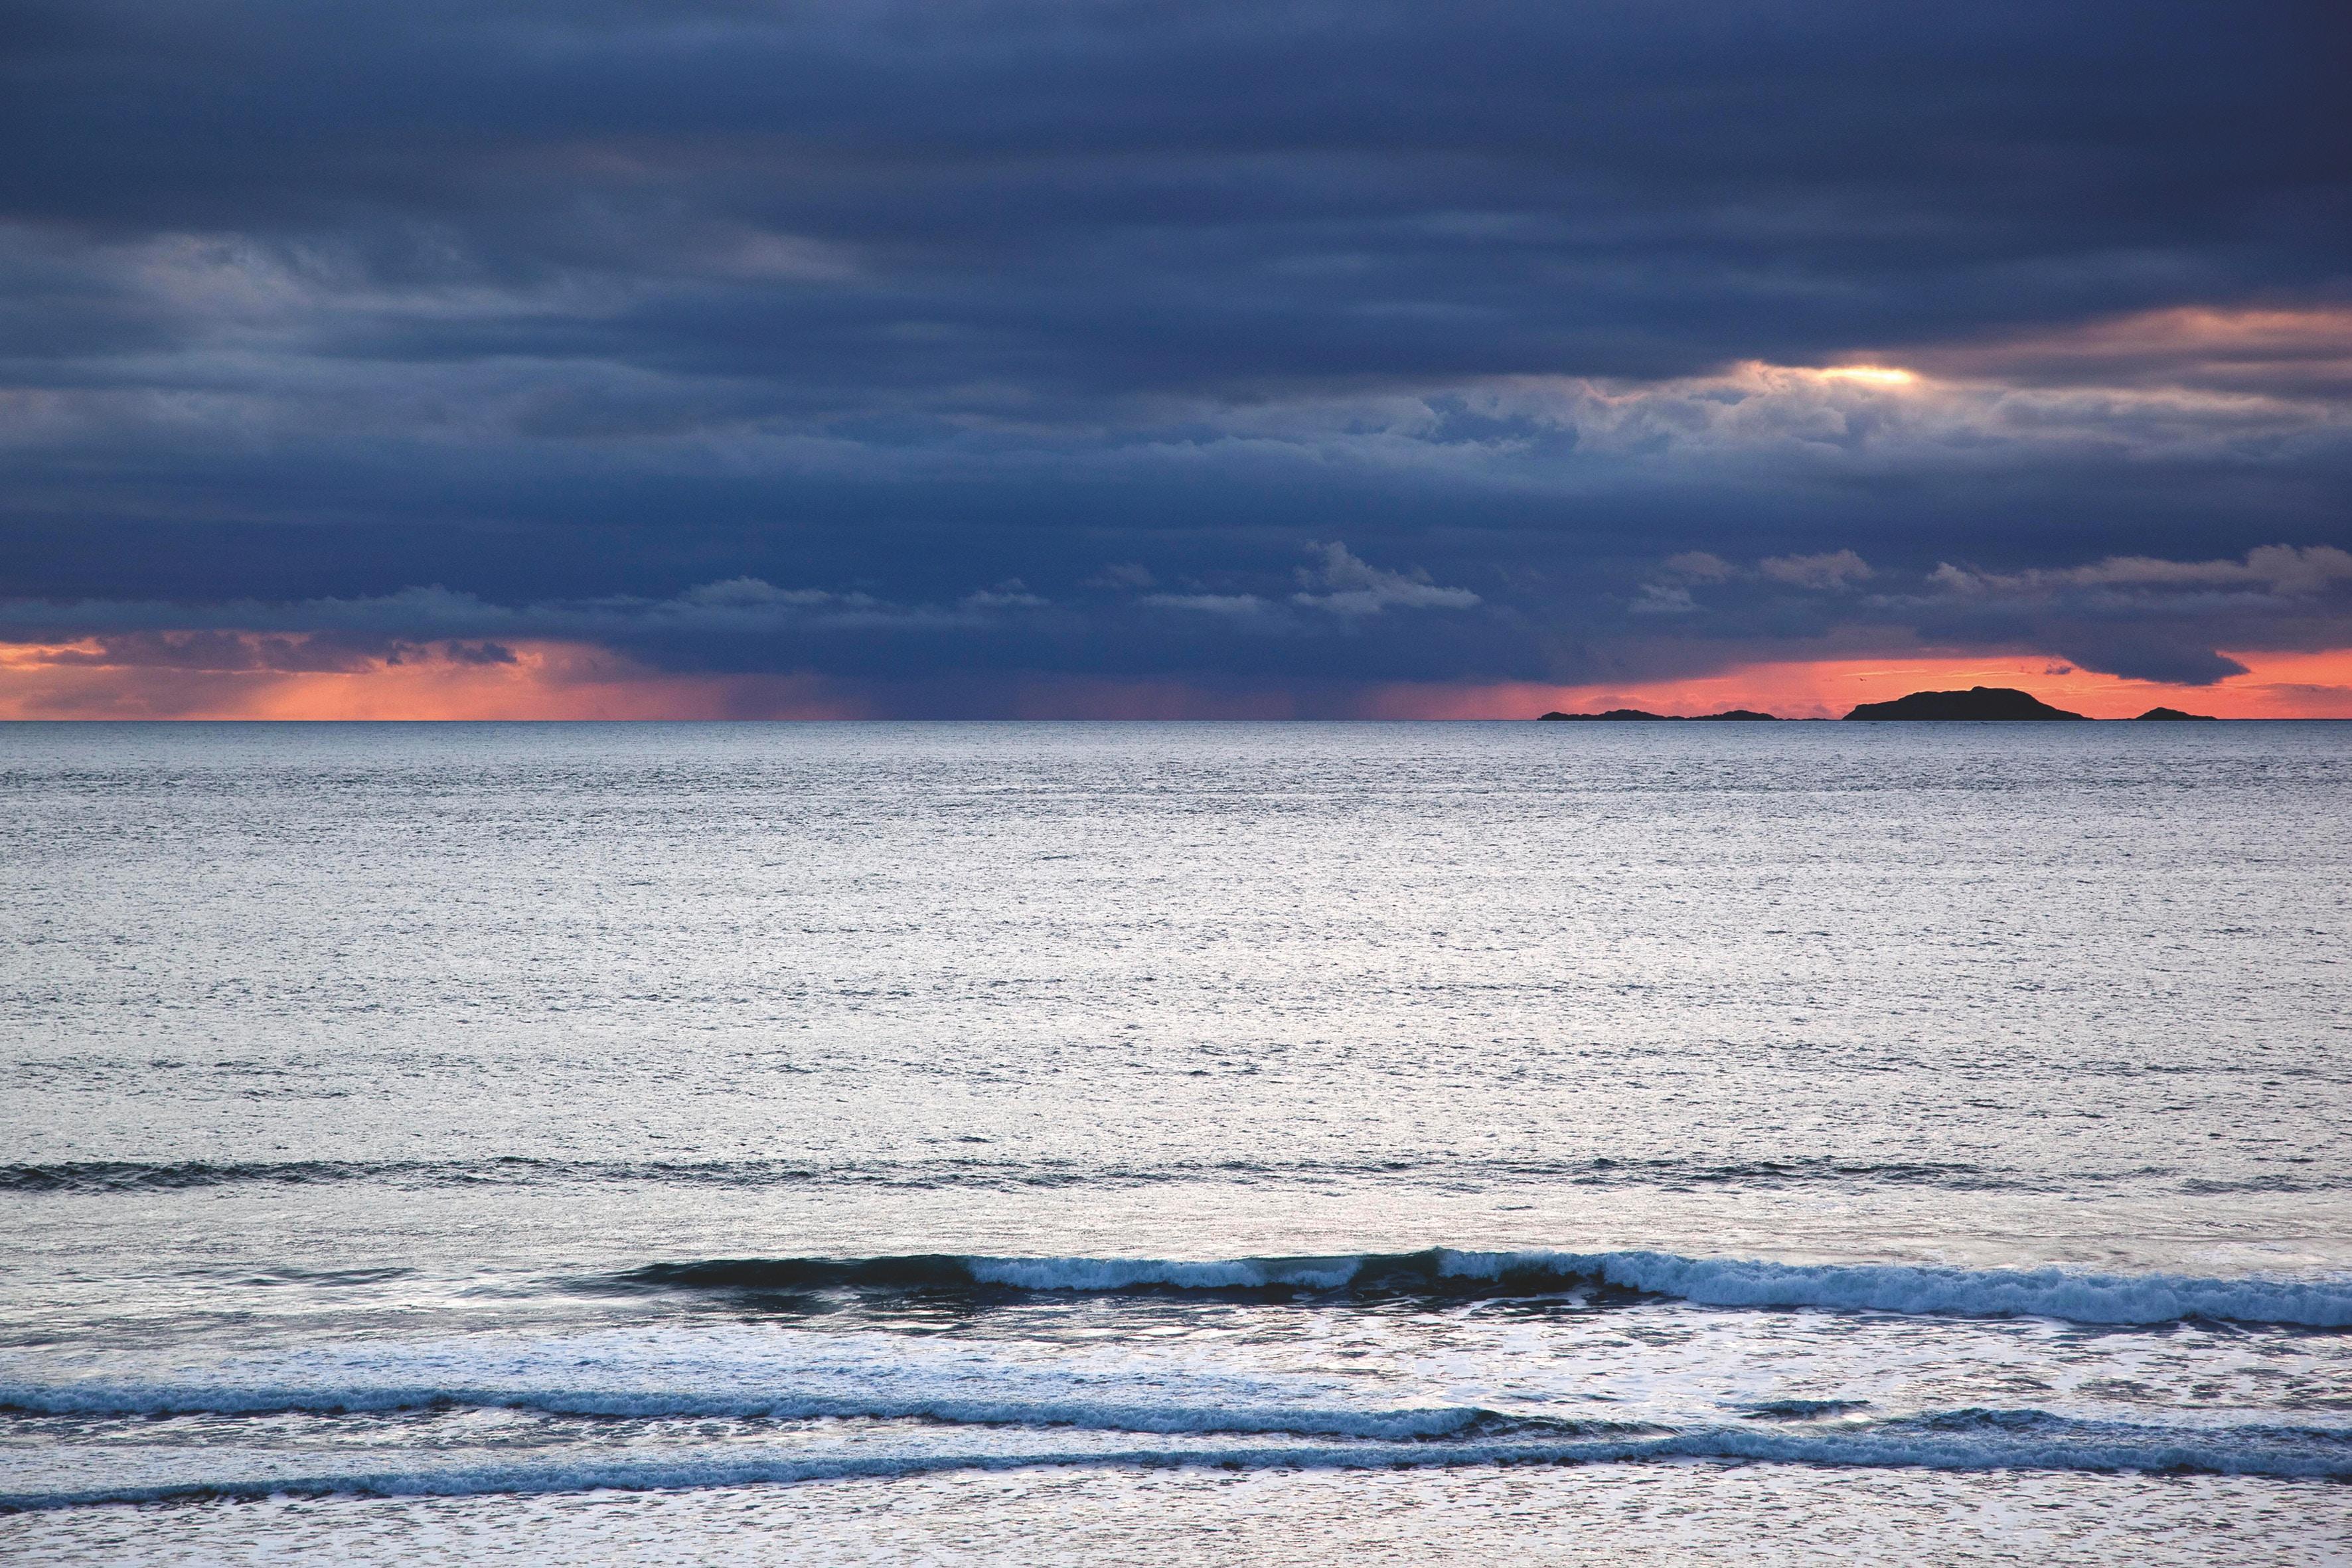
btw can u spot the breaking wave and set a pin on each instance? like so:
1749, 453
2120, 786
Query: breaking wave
1912, 1289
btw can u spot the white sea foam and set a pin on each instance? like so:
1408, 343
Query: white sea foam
1165, 1417
778, 1373
1973, 1440
891, 1400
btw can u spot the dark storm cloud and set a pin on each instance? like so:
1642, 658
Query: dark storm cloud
305, 305
1118, 196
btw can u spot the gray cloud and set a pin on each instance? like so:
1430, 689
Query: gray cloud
1830, 570
1342, 585
2282, 569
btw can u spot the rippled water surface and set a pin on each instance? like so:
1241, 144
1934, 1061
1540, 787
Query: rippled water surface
1071, 1143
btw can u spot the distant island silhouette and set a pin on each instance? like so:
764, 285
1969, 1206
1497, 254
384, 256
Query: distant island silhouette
1976, 702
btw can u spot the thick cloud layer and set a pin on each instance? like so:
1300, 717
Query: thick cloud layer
1507, 341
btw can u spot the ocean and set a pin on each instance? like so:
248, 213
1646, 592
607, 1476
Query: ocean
1191, 1143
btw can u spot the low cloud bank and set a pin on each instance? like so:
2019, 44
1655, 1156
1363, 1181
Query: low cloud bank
1325, 633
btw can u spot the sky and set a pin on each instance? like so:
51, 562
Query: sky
1036, 358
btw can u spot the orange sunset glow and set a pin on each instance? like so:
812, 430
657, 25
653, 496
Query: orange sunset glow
561, 680
542, 680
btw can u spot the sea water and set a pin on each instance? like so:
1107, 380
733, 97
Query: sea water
970, 1142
